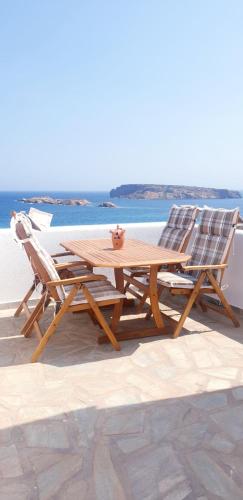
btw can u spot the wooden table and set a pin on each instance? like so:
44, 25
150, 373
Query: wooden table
100, 253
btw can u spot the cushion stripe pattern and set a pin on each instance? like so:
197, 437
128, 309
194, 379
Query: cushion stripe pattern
180, 222
213, 238
100, 290
176, 280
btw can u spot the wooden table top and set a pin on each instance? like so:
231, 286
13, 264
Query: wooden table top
100, 253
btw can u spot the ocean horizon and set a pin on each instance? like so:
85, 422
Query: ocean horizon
128, 210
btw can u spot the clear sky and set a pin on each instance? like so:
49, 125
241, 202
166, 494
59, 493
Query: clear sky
94, 94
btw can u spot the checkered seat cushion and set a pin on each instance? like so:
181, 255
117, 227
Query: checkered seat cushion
100, 290
176, 280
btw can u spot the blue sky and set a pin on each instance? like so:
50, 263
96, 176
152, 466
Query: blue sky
94, 94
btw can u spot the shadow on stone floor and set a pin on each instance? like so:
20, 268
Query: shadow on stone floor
75, 340
180, 448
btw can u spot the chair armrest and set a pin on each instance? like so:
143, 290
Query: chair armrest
76, 280
65, 265
205, 266
61, 254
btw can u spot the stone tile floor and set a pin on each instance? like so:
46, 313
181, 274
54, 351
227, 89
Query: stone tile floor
162, 419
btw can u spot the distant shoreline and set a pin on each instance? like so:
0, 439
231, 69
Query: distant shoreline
172, 192
127, 211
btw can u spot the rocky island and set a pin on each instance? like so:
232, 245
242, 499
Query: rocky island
170, 192
54, 201
107, 204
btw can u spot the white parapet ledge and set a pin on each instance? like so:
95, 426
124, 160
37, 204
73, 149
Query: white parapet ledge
16, 275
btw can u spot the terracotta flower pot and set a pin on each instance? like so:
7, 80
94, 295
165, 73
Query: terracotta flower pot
118, 237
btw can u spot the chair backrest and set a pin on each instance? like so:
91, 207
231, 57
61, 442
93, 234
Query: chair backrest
40, 260
40, 220
214, 238
179, 226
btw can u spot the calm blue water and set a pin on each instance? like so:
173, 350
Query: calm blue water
127, 211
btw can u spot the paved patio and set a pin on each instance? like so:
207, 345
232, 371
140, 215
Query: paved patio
162, 419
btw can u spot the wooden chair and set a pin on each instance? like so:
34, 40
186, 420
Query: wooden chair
88, 292
22, 228
175, 236
203, 274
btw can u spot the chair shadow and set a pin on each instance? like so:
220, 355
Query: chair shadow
75, 341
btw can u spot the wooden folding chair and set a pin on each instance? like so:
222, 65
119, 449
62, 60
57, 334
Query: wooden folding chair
203, 274
88, 292
175, 236
22, 228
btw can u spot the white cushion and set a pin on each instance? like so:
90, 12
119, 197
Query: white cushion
176, 280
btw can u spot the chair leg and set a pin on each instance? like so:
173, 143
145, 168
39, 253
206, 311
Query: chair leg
142, 302
101, 318
202, 304
49, 332
35, 315
225, 303
92, 317
193, 296
54, 324
24, 301
116, 315
36, 326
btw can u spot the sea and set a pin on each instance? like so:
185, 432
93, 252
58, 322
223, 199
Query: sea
128, 210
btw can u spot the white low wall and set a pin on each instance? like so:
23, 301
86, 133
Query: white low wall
16, 275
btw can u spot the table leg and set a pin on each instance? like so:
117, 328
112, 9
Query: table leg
160, 328
154, 299
119, 279
120, 285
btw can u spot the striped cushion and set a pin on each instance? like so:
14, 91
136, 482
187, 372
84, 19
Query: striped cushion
132, 270
179, 224
100, 290
173, 238
214, 236
176, 280
218, 222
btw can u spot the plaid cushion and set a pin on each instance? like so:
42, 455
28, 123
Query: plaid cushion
176, 280
180, 222
100, 290
173, 238
214, 236
218, 222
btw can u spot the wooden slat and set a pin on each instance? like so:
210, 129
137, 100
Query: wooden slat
137, 334
100, 253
